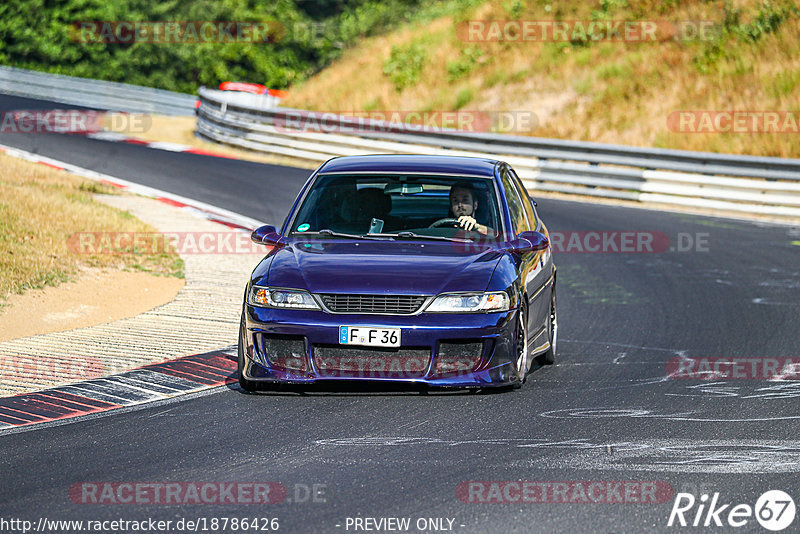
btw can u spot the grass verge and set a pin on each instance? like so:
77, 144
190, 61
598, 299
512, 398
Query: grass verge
40, 208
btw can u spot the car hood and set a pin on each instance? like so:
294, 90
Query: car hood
382, 267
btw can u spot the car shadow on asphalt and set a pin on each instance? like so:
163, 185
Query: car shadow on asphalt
360, 388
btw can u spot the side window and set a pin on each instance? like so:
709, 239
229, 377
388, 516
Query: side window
526, 200
518, 221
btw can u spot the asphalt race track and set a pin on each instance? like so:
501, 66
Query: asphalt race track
608, 411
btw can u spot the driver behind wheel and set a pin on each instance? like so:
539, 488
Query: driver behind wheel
464, 206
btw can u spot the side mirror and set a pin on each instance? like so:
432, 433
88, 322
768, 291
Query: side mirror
529, 242
267, 235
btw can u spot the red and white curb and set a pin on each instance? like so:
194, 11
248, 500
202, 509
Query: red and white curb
115, 137
150, 383
196, 207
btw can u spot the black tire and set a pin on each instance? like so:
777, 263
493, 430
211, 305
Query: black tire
244, 383
522, 338
549, 357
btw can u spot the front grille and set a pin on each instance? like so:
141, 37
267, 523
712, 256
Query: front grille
371, 362
388, 304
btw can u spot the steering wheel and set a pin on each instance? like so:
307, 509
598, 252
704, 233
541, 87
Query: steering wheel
444, 222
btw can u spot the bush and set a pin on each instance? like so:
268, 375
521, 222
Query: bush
404, 64
40, 35
462, 66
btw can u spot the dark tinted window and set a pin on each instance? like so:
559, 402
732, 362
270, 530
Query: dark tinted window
515, 207
530, 211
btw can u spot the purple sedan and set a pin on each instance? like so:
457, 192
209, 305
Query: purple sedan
425, 269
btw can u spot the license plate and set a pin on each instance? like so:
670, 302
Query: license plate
368, 336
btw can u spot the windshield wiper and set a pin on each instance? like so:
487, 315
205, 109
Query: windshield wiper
405, 234
330, 233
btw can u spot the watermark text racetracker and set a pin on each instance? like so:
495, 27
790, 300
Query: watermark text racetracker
734, 121
176, 32
237, 242
720, 368
379, 365
608, 242
224, 242
177, 493
570, 492
355, 121
199, 493
627, 241
564, 31
24, 368
71, 121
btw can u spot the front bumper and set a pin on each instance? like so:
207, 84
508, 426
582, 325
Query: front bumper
450, 350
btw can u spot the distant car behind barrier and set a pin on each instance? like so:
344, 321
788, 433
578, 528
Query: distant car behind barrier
274, 95
254, 88
376, 274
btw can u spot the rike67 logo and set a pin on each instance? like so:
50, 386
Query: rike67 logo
774, 510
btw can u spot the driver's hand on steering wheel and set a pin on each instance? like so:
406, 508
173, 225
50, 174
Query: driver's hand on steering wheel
469, 223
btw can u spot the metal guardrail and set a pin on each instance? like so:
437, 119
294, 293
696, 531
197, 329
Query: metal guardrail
701, 179
94, 93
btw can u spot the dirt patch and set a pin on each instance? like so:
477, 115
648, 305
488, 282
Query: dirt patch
97, 296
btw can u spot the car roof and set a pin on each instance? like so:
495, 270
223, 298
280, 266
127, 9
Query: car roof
411, 163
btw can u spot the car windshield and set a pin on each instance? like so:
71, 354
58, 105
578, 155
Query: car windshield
398, 206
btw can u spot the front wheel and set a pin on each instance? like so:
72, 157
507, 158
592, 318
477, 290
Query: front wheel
244, 383
522, 345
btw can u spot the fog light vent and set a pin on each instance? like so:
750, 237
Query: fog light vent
284, 352
459, 357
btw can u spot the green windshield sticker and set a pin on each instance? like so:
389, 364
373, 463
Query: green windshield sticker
303, 227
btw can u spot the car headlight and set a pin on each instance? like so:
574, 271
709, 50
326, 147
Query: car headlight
281, 298
470, 303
